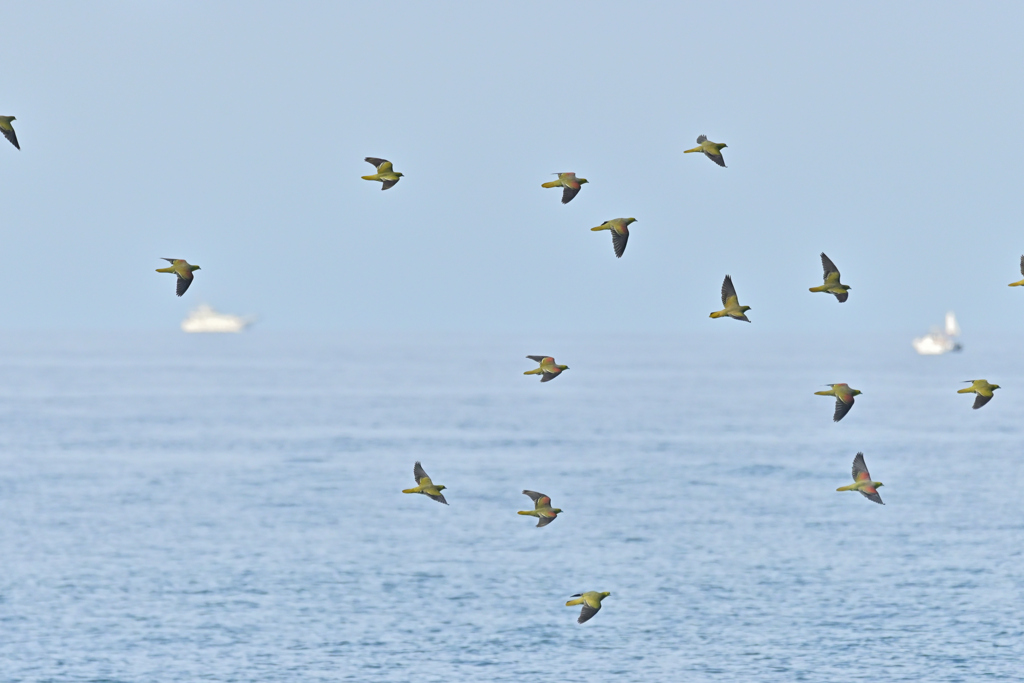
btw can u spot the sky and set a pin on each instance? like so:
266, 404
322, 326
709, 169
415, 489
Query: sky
233, 135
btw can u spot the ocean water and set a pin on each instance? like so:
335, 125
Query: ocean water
228, 508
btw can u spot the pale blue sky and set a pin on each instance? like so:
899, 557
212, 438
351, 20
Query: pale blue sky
233, 134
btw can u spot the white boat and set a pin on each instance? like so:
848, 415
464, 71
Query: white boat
205, 319
938, 342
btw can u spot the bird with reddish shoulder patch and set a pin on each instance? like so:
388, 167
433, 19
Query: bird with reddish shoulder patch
844, 398
183, 269
862, 481
569, 183
620, 233
548, 368
542, 509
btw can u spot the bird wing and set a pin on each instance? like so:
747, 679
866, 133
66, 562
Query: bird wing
541, 359
548, 376
842, 408
717, 158
1022, 265
860, 470
388, 184
8, 130
169, 260
701, 139
871, 493
619, 240
537, 497
842, 296
183, 284
728, 291
418, 473
544, 521
979, 400
439, 497
829, 268
587, 613
379, 163
569, 192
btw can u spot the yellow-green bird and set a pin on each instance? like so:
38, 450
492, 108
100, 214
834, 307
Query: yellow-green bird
844, 399
548, 368
982, 388
8, 129
832, 284
591, 601
862, 481
620, 233
712, 150
386, 174
731, 302
542, 509
425, 486
183, 269
1018, 283
569, 183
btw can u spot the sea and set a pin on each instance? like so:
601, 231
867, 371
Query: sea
228, 508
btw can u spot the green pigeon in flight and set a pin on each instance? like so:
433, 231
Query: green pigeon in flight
731, 302
591, 601
862, 481
620, 233
1019, 283
712, 150
844, 399
569, 183
982, 388
386, 174
832, 284
542, 509
8, 129
183, 269
425, 486
548, 368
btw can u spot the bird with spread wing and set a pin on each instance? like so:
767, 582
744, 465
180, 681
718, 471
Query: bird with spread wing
832, 284
548, 368
542, 509
425, 486
712, 150
183, 269
731, 302
844, 399
620, 233
591, 601
386, 174
862, 481
569, 183
982, 388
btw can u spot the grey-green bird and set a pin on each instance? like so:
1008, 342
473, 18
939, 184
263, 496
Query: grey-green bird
569, 183
1019, 283
731, 302
542, 509
982, 388
712, 150
183, 269
832, 284
548, 368
591, 601
425, 486
8, 129
862, 481
844, 399
386, 174
620, 233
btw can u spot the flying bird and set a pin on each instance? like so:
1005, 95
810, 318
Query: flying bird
8, 129
183, 269
982, 388
542, 509
591, 601
425, 486
1018, 283
731, 303
844, 399
548, 368
385, 174
862, 481
620, 233
712, 150
832, 284
569, 183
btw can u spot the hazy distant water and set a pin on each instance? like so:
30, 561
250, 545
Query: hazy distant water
228, 508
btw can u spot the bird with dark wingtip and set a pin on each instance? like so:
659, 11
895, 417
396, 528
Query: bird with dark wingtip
8, 130
712, 150
1019, 283
844, 398
542, 509
982, 388
620, 233
425, 486
548, 368
569, 183
832, 284
386, 174
731, 302
183, 269
862, 481
591, 601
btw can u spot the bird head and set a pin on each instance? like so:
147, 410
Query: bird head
630, 220
557, 511
399, 174
440, 487
993, 386
856, 392
13, 119
744, 309
582, 180
878, 484
196, 268
723, 146
562, 367
605, 594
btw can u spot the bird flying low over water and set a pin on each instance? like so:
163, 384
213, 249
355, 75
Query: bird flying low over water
832, 284
591, 601
183, 269
844, 399
982, 388
862, 481
731, 303
620, 233
1018, 283
386, 174
8, 129
425, 486
712, 150
548, 368
569, 183
542, 509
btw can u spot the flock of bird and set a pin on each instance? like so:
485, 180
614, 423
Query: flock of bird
549, 369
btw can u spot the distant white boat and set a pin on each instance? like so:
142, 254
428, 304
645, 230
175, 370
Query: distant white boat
938, 342
205, 319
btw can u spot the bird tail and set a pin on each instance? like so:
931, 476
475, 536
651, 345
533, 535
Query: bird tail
169, 269
531, 513
719, 314
601, 227
415, 490
965, 390
553, 183
577, 601
695, 149
851, 487
1017, 284
370, 177
824, 393
822, 288
533, 372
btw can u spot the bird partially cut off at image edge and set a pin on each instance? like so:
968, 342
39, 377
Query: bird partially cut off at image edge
832, 284
569, 183
731, 302
1019, 283
591, 601
8, 129
844, 399
425, 486
542, 509
862, 481
620, 233
548, 368
183, 269
982, 388
386, 174
712, 150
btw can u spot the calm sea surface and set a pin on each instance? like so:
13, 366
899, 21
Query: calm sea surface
228, 508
